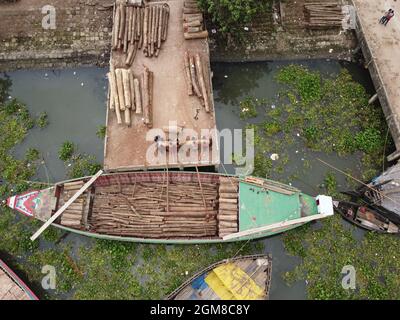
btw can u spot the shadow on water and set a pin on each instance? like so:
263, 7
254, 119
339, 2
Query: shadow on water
75, 112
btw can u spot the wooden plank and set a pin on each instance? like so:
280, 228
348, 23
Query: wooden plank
66, 205
275, 226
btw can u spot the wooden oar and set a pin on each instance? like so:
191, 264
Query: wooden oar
66, 205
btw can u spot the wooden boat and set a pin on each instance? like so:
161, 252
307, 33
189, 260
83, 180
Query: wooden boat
365, 217
12, 287
241, 278
172, 207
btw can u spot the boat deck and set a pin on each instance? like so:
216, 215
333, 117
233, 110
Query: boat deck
127, 147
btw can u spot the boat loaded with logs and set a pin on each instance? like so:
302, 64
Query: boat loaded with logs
239, 278
365, 217
12, 287
171, 207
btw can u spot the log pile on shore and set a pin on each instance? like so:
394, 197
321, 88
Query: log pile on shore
197, 79
193, 26
320, 15
138, 27
228, 206
131, 95
156, 210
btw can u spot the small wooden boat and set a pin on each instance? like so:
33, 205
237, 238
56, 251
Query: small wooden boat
12, 287
172, 207
241, 278
365, 217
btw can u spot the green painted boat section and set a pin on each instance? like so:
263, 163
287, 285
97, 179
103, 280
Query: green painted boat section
259, 206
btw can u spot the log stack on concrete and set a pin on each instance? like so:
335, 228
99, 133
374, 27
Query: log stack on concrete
155, 28
228, 212
131, 95
193, 26
323, 15
156, 210
138, 27
197, 79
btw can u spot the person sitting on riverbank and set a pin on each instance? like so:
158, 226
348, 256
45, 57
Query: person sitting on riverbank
388, 17
385, 19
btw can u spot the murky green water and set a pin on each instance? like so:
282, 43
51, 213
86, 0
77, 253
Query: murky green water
75, 103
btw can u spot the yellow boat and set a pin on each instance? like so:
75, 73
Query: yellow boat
240, 278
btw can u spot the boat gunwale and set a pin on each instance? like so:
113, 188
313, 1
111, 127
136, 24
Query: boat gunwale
174, 293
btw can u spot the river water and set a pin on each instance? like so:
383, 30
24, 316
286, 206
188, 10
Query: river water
75, 101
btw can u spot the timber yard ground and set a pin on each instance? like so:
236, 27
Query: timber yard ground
291, 117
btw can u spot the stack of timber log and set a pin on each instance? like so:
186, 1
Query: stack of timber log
155, 28
156, 210
228, 206
72, 216
137, 27
193, 26
197, 79
320, 15
130, 94
127, 34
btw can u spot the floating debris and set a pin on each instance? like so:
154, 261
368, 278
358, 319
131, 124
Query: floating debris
274, 156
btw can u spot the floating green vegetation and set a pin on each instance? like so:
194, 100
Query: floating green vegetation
132, 271
248, 107
43, 120
329, 248
82, 165
324, 114
66, 151
78, 165
101, 132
